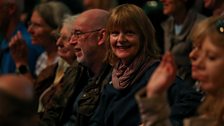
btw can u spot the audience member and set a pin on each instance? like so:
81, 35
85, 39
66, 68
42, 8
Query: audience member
154, 10
50, 79
16, 93
133, 53
177, 29
215, 6
10, 11
207, 68
75, 103
45, 20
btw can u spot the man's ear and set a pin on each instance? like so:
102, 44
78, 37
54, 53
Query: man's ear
102, 36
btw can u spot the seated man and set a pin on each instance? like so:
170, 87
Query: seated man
83, 82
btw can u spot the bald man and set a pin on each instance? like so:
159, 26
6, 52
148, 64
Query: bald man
83, 82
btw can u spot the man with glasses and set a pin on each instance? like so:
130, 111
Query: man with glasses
83, 82
10, 11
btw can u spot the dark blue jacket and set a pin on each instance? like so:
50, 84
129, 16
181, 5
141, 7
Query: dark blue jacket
119, 107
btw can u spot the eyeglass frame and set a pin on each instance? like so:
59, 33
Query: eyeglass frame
78, 33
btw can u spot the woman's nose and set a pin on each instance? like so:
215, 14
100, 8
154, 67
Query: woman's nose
193, 54
200, 61
121, 37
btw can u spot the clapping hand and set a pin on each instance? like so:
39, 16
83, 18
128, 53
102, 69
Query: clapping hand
162, 77
18, 49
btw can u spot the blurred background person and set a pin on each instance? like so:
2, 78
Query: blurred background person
177, 29
216, 7
51, 78
207, 56
45, 20
10, 11
16, 95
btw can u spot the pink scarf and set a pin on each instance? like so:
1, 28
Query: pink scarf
124, 76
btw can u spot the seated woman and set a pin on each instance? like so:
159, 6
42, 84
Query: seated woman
134, 56
207, 67
50, 78
45, 20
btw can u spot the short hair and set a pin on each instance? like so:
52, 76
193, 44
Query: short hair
53, 13
68, 22
129, 15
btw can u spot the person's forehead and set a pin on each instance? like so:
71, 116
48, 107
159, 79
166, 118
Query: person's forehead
82, 23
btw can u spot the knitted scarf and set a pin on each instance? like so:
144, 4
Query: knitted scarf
124, 75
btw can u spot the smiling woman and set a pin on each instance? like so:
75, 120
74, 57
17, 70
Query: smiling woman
134, 55
132, 46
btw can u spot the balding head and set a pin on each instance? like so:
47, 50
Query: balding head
17, 86
94, 18
90, 26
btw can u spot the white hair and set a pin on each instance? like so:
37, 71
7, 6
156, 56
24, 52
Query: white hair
68, 22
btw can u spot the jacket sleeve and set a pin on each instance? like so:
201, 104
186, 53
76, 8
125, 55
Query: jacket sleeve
183, 100
154, 111
51, 117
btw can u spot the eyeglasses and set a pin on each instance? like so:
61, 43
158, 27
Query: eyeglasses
77, 33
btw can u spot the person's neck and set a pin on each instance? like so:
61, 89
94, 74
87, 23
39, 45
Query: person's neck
180, 16
70, 60
96, 68
97, 63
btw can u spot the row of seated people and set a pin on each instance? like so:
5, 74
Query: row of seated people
94, 90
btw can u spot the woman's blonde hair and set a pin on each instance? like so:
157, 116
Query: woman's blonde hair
128, 16
212, 27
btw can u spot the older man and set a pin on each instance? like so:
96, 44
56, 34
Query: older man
83, 82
